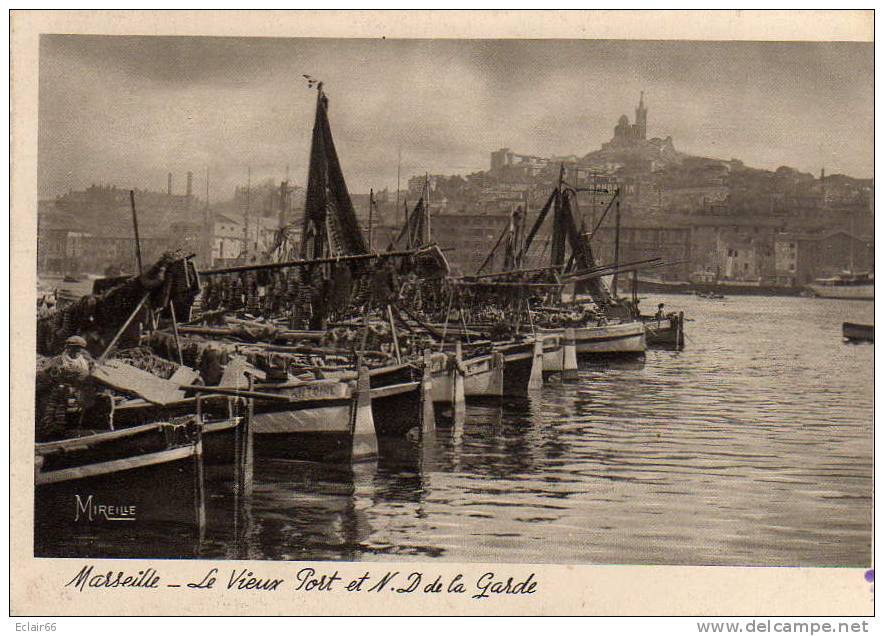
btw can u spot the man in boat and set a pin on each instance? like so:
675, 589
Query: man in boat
661, 314
59, 386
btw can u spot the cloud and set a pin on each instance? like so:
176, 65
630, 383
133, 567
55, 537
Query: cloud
126, 110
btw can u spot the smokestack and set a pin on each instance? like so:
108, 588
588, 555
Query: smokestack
189, 184
170, 185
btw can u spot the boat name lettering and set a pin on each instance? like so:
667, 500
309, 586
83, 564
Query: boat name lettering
317, 391
90, 510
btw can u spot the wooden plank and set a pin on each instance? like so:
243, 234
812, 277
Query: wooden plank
236, 373
133, 381
184, 375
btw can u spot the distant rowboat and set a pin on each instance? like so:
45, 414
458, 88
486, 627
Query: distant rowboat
856, 332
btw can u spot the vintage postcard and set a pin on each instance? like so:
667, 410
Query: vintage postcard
443, 313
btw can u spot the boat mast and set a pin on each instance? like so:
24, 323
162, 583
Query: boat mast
245, 244
616, 242
207, 226
370, 216
852, 255
557, 253
398, 171
427, 205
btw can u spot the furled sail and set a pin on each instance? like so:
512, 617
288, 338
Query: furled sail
330, 225
416, 231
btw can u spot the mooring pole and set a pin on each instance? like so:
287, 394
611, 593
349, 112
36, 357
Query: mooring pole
135, 225
370, 217
175, 331
616, 245
393, 333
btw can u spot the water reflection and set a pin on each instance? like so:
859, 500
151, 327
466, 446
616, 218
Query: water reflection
750, 447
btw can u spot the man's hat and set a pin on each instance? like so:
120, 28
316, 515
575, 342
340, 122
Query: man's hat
75, 341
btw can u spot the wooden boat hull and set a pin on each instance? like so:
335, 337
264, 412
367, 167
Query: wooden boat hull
518, 360
843, 292
316, 425
120, 481
397, 408
220, 427
396, 400
483, 378
664, 332
553, 352
625, 338
856, 332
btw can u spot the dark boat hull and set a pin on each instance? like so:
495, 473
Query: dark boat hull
645, 286
665, 332
518, 359
220, 426
396, 400
125, 482
856, 332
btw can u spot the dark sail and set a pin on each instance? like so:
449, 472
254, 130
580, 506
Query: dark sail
416, 232
330, 225
582, 256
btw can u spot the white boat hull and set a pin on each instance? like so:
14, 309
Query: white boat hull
611, 339
553, 352
483, 378
847, 292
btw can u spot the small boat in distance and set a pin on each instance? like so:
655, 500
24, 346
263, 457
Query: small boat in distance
847, 285
857, 332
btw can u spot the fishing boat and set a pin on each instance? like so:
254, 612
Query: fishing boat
845, 286
326, 420
553, 352
482, 371
666, 331
147, 474
606, 326
223, 421
623, 338
857, 332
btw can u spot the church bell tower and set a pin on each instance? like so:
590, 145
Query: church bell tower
641, 118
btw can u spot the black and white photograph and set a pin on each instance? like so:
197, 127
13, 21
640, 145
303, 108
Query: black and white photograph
487, 300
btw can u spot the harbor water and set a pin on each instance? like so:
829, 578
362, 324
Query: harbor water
753, 446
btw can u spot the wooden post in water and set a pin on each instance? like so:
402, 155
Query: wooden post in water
428, 414
569, 372
458, 399
199, 482
495, 386
535, 381
364, 444
248, 452
679, 334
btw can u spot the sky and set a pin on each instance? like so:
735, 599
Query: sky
127, 110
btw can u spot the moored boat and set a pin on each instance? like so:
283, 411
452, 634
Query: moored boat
316, 422
857, 332
148, 474
846, 286
667, 331
612, 339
